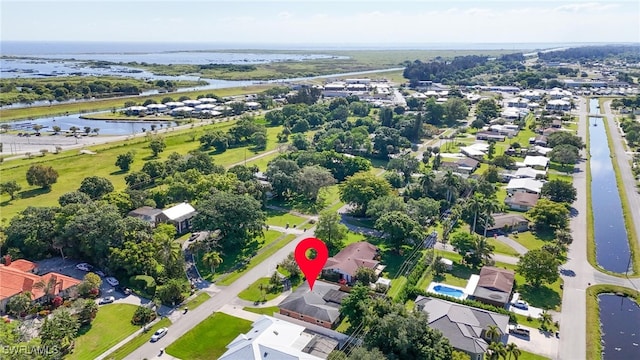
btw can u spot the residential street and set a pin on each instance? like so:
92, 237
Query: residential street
226, 295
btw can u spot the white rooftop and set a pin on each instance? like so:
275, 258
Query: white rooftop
536, 161
178, 211
526, 184
270, 339
527, 172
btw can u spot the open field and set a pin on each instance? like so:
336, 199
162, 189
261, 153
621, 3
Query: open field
111, 325
255, 292
73, 167
218, 330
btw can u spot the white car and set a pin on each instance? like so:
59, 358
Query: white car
159, 334
107, 300
112, 281
83, 267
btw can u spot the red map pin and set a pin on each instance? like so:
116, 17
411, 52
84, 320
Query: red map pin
311, 267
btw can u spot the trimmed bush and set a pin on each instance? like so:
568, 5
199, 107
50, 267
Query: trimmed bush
144, 283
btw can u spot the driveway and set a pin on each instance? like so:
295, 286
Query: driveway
538, 343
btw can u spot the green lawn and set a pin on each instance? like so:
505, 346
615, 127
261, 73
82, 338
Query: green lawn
138, 341
282, 218
198, 300
502, 248
529, 240
257, 259
269, 310
397, 285
208, 340
524, 355
73, 167
353, 237
111, 325
253, 292
262, 162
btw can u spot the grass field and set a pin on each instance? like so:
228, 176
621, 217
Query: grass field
138, 341
198, 300
111, 325
73, 167
254, 293
228, 279
208, 340
282, 218
268, 310
502, 248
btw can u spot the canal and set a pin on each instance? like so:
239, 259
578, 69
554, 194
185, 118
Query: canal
612, 244
620, 324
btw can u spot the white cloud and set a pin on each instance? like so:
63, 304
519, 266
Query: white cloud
590, 6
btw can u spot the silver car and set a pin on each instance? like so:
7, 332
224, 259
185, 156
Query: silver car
159, 334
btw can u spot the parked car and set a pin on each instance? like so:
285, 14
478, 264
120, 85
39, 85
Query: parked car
112, 281
106, 300
100, 273
84, 267
520, 304
518, 330
159, 334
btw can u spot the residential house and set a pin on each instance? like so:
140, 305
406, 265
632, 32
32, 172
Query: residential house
146, 213
531, 94
461, 166
550, 130
540, 150
494, 286
537, 162
135, 110
556, 124
345, 264
527, 185
540, 140
489, 135
508, 222
464, 326
558, 105
18, 276
558, 93
271, 338
518, 102
180, 216
320, 306
529, 173
521, 201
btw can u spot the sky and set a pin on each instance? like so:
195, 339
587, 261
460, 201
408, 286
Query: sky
321, 22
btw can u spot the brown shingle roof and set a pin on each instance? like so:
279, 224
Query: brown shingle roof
496, 279
355, 255
522, 198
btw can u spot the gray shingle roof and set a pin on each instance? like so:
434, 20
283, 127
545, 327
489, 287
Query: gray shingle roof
312, 303
461, 324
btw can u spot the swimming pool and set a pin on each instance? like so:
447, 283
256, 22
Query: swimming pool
447, 290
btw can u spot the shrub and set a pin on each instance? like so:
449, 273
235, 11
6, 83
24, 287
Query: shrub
143, 283
143, 315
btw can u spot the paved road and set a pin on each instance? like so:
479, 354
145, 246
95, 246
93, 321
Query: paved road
577, 273
227, 295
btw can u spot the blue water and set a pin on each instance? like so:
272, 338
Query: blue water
612, 245
445, 290
620, 320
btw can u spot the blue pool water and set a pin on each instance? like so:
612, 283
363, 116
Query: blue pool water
445, 290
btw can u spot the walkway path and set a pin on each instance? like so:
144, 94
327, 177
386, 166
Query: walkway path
513, 244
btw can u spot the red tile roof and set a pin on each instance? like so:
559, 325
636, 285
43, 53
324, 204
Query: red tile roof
15, 281
349, 259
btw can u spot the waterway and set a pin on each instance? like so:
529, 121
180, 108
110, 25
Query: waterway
620, 324
612, 244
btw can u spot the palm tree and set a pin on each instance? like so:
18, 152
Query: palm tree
213, 260
475, 205
450, 181
483, 250
427, 180
564, 237
492, 333
170, 250
512, 349
497, 351
490, 207
545, 320
96, 130
48, 287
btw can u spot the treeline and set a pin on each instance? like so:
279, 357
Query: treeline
461, 69
594, 53
229, 67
